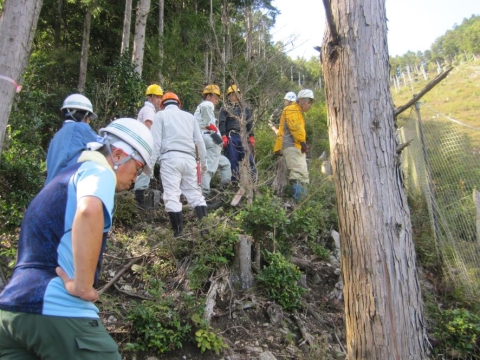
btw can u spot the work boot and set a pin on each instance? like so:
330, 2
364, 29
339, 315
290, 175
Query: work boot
201, 211
140, 198
176, 219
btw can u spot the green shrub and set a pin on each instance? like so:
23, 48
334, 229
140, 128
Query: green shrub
158, 326
120, 94
22, 170
319, 250
126, 211
280, 279
206, 338
458, 330
265, 214
216, 249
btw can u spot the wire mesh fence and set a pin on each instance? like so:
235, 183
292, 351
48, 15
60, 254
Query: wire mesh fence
442, 164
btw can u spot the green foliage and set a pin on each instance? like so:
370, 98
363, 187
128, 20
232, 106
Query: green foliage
309, 219
120, 94
206, 338
126, 211
214, 250
316, 126
425, 245
264, 215
8, 252
157, 326
458, 330
21, 177
319, 250
280, 278
264, 157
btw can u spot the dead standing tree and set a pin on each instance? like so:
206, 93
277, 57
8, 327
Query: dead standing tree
383, 305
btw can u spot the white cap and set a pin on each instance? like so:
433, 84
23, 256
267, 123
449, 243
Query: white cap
290, 96
305, 94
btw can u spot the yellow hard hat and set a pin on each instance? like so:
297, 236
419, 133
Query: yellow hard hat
233, 89
154, 89
211, 89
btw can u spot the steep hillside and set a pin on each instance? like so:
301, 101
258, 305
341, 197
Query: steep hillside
457, 96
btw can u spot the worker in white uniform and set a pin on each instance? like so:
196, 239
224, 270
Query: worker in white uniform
176, 135
146, 114
205, 116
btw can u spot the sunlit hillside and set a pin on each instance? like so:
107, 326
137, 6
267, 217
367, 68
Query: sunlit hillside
457, 96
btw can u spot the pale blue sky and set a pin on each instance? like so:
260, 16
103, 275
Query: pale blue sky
412, 24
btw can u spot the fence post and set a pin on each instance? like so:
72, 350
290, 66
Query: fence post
476, 201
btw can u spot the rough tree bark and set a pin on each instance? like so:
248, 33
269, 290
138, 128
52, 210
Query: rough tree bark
127, 21
18, 22
383, 305
82, 79
139, 38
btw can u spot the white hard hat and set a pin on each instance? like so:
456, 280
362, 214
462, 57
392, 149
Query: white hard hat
135, 134
78, 102
290, 96
305, 93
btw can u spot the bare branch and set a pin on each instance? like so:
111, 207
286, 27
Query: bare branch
119, 274
330, 22
426, 89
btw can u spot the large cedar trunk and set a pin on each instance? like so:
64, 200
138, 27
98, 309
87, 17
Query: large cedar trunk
139, 38
383, 305
18, 21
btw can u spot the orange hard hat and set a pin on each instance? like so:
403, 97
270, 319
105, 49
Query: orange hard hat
170, 98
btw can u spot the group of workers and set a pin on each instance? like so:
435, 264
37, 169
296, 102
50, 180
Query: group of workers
47, 309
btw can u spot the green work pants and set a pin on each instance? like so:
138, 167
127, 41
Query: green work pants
26, 336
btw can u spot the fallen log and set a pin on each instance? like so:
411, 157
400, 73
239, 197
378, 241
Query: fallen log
303, 330
302, 263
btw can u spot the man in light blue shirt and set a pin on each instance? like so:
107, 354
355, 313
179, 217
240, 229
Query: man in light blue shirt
47, 308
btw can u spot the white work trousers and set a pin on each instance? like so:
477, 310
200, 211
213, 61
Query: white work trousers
179, 176
225, 170
213, 155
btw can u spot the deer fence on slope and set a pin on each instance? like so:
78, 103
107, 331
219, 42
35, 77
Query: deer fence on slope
442, 167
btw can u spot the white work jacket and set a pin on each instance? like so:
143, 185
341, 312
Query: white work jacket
175, 133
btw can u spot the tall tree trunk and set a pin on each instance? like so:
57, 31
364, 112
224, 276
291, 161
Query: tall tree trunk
161, 27
127, 23
205, 69
383, 304
143, 8
225, 41
85, 50
424, 72
58, 26
248, 32
18, 22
